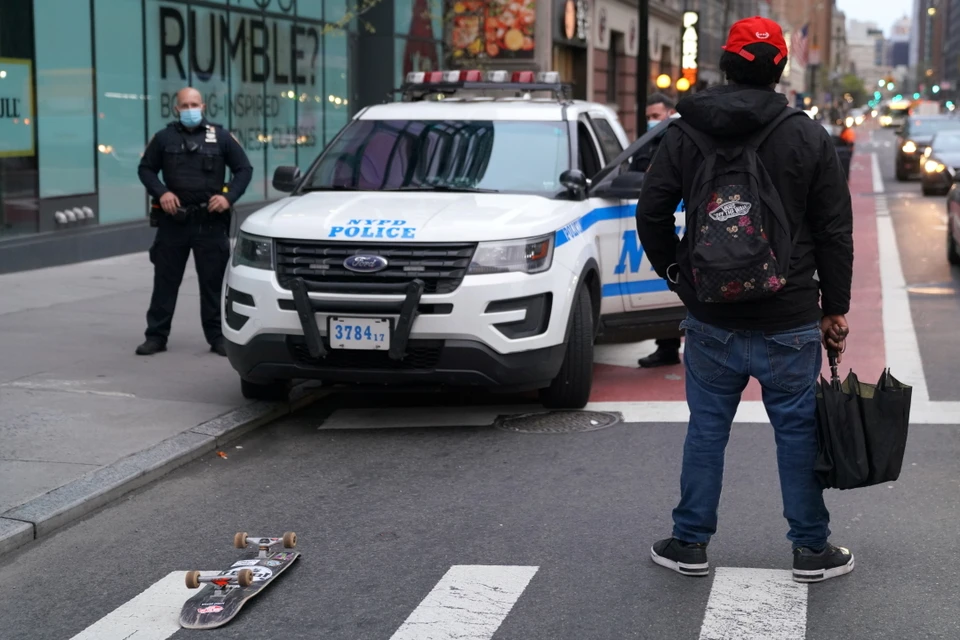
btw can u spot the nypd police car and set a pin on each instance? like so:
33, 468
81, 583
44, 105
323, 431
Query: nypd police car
478, 232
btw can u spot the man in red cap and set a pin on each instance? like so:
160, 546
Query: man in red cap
765, 271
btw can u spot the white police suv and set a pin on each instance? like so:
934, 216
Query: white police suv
471, 234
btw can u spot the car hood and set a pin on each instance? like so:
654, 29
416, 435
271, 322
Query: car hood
921, 141
409, 217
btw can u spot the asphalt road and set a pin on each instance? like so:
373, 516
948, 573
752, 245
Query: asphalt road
383, 514
921, 225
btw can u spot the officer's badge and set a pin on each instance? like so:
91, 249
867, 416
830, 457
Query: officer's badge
211, 135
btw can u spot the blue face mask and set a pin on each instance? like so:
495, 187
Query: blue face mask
191, 117
652, 123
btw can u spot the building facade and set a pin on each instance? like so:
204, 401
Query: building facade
89, 82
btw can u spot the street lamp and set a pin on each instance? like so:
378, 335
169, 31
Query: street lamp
664, 81
683, 85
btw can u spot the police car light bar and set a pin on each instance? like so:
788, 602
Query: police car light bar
451, 81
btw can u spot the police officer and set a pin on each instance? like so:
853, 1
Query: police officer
191, 211
659, 108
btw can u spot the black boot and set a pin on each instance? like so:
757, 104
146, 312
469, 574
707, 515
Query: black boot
662, 357
218, 347
150, 347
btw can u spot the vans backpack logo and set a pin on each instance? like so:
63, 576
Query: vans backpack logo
723, 211
740, 242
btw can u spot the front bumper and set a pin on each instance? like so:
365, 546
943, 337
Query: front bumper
459, 363
936, 180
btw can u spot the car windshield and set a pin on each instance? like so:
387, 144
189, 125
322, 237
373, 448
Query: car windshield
443, 155
947, 142
927, 127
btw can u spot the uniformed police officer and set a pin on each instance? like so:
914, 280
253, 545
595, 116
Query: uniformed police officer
191, 211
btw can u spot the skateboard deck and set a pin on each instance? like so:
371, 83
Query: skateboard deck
220, 600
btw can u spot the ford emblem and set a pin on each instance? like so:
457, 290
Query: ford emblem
365, 264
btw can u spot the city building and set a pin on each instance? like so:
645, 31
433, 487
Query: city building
897, 55
950, 83
865, 49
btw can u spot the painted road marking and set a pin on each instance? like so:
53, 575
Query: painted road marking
899, 334
755, 604
469, 603
152, 615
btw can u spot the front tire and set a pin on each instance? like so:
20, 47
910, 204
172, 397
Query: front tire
276, 391
571, 388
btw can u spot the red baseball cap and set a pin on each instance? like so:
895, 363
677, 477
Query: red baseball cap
753, 31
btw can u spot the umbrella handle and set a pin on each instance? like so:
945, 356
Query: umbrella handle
834, 374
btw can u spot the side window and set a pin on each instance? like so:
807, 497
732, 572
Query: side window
589, 157
609, 142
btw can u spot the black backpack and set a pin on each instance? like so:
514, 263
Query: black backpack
740, 241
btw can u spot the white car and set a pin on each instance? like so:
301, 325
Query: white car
462, 240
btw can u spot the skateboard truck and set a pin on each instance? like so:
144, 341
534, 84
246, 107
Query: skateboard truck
243, 540
243, 578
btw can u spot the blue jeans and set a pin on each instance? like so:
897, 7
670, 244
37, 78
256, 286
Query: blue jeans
718, 364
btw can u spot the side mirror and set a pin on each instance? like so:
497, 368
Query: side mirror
625, 186
285, 179
574, 181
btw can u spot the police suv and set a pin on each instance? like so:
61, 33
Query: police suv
470, 234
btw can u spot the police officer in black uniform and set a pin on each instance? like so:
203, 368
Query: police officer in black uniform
191, 211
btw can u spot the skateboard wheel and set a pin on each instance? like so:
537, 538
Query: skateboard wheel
245, 577
193, 580
289, 540
240, 540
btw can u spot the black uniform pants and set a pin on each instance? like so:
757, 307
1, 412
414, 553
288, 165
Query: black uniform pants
171, 249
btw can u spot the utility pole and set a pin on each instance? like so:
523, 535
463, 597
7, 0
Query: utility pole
643, 64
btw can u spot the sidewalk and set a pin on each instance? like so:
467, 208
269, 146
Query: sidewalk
82, 418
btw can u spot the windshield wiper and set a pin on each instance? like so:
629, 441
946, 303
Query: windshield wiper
444, 187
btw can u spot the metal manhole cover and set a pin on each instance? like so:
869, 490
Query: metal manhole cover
558, 421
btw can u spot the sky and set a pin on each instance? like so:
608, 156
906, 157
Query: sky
883, 12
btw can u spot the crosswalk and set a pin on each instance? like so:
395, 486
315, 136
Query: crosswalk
471, 602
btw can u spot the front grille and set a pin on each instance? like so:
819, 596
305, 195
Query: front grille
440, 266
420, 355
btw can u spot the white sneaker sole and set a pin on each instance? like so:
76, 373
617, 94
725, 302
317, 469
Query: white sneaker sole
683, 568
820, 575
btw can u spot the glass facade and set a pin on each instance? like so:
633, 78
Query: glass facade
85, 84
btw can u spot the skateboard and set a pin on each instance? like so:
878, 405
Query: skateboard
220, 600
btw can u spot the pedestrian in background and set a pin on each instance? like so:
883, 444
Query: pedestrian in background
191, 210
773, 328
659, 108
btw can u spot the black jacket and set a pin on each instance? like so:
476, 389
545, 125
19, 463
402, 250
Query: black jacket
194, 164
802, 162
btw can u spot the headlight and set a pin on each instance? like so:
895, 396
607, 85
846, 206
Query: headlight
910, 147
526, 256
859, 120
886, 121
253, 251
927, 152
932, 166
849, 121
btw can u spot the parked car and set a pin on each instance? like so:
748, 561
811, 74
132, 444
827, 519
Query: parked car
953, 224
893, 115
941, 163
843, 140
914, 138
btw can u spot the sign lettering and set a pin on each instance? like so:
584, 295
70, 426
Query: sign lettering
373, 229
690, 46
16, 108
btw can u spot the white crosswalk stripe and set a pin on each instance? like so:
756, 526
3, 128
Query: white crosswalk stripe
152, 615
755, 604
469, 603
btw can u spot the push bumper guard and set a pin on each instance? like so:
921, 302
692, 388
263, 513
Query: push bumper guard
406, 308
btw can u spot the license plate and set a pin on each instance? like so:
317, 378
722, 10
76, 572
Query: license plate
372, 334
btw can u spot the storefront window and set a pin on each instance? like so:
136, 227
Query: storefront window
18, 159
65, 140
120, 110
337, 107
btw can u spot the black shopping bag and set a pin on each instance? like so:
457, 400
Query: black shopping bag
861, 429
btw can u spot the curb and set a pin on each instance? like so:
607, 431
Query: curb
57, 508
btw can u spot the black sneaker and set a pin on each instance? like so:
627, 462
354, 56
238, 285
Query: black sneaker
810, 566
151, 347
218, 347
660, 358
683, 557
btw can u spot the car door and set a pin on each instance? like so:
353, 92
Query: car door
605, 215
